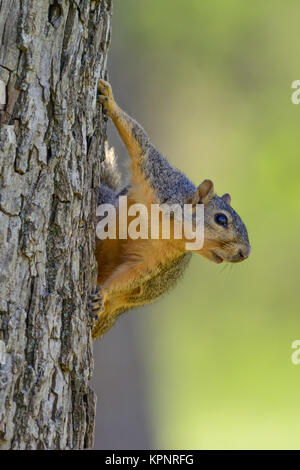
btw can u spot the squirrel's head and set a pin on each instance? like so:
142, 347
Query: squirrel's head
225, 234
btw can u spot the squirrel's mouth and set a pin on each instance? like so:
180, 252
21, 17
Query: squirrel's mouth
216, 258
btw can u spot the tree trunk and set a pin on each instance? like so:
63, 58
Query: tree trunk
52, 54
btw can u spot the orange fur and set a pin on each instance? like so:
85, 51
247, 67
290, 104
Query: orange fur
135, 272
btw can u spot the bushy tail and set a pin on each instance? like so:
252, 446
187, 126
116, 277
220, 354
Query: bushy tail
110, 174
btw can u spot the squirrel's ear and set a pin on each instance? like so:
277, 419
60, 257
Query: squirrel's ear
203, 194
205, 191
227, 198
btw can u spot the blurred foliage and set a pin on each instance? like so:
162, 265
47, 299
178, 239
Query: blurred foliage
211, 82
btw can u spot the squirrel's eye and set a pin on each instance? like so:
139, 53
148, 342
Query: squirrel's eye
221, 219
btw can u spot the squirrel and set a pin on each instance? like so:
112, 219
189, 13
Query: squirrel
136, 272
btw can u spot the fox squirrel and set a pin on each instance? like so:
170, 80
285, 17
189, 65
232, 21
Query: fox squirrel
136, 272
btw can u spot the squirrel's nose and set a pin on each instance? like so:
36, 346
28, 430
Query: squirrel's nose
243, 254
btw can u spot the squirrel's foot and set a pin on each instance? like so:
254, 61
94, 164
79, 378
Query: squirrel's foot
105, 97
95, 304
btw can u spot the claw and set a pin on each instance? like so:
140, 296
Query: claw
95, 297
94, 315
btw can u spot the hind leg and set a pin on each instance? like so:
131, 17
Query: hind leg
108, 315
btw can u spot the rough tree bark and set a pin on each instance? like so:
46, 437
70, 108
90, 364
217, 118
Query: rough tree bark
52, 54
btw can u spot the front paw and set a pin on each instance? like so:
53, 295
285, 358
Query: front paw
105, 96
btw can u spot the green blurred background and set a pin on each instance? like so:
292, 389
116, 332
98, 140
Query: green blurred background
209, 365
